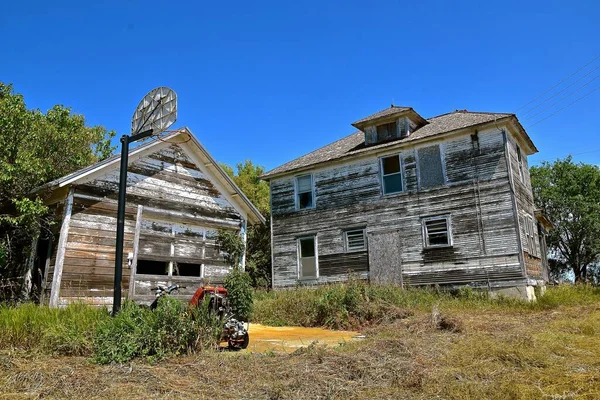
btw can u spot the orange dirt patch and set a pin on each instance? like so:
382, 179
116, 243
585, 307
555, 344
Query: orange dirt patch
289, 338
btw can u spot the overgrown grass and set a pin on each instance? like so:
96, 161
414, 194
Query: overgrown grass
357, 303
83, 330
66, 331
502, 352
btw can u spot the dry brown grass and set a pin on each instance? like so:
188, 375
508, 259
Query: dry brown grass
496, 354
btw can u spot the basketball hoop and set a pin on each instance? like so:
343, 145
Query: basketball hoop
170, 137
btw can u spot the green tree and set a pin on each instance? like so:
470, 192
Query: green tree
36, 148
570, 195
258, 254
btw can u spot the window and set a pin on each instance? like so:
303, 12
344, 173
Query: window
355, 240
187, 269
436, 232
150, 267
386, 131
391, 173
520, 161
431, 172
304, 192
531, 237
307, 258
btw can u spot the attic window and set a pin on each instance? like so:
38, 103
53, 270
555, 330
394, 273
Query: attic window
386, 131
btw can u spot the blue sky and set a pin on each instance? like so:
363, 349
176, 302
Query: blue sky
271, 81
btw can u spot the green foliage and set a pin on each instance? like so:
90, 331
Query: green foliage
64, 331
36, 148
136, 331
570, 195
354, 304
258, 254
239, 292
171, 329
232, 245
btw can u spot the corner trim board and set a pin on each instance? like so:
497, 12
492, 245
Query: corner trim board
60, 254
136, 241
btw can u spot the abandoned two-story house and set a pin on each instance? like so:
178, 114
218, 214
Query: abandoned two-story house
412, 201
178, 198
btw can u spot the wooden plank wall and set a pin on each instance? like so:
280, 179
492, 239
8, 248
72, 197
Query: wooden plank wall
525, 210
171, 190
477, 195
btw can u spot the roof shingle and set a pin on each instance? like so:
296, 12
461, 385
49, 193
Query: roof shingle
354, 144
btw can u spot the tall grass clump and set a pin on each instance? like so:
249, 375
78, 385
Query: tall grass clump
357, 303
65, 331
171, 329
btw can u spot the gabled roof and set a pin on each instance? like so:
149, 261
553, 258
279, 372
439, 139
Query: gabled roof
383, 113
192, 145
354, 144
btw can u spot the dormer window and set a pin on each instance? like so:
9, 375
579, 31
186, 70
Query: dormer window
386, 131
390, 124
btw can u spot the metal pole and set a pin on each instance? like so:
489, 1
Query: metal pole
120, 223
125, 141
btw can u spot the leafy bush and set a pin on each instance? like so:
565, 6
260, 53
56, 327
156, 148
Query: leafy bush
171, 329
239, 292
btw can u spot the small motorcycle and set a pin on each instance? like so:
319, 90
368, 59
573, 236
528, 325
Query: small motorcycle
235, 332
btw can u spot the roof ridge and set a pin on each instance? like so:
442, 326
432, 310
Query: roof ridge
470, 112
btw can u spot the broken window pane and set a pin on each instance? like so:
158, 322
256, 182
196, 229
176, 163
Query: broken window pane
391, 165
437, 232
430, 167
186, 269
150, 267
305, 192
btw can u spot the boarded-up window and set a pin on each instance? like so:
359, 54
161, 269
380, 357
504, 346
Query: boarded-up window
355, 240
386, 132
436, 231
430, 167
391, 174
307, 258
305, 196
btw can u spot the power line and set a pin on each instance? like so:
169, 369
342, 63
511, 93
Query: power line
558, 84
565, 97
560, 91
568, 105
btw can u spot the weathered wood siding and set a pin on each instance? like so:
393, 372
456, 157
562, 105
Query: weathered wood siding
477, 195
181, 213
528, 226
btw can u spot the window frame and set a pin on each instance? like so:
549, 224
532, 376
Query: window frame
392, 134
299, 257
519, 161
400, 172
347, 243
425, 236
297, 192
